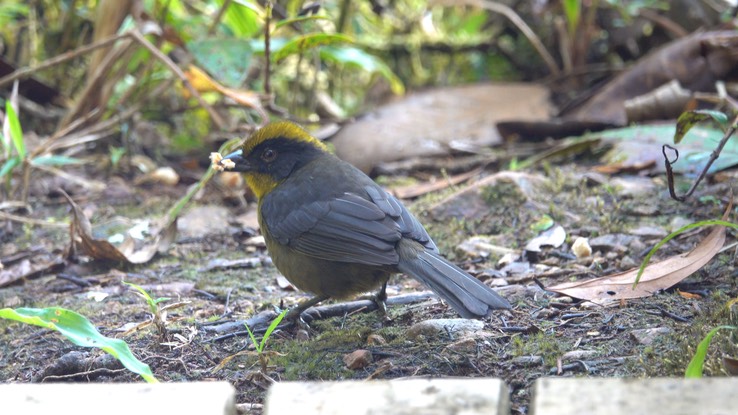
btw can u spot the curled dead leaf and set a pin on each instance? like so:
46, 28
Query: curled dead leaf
80, 231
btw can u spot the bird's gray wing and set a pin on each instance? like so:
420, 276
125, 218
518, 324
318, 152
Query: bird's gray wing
409, 226
345, 228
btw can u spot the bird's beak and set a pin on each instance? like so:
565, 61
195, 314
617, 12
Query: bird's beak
239, 163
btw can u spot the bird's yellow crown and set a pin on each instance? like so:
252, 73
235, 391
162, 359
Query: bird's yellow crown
278, 129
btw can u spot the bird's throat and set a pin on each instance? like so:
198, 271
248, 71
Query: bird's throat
261, 184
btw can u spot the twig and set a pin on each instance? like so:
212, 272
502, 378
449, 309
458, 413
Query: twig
25, 72
259, 322
713, 156
267, 64
31, 221
219, 16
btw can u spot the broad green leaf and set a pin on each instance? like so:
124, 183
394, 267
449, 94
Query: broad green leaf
16, 133
243, 18
53, 160
694, 369
81, 332
9, 165
306, 42
356, 57
227, 60
689, 119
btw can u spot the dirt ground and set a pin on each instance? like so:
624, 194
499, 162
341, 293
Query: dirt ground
543, 335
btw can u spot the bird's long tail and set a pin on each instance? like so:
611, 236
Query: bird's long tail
466, 294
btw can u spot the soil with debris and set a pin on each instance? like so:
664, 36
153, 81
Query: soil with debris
217, 271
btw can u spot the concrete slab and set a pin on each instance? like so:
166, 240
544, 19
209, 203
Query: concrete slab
658, 396
415, 396
198, 398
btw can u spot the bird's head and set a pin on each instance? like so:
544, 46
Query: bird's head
272, 153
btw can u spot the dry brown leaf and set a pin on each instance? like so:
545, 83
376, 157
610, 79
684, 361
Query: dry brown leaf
658, 276
204, 83
80, 231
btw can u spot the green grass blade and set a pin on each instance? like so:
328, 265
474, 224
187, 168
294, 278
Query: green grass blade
257, 345
152, 303
16, 132
672, 235
271, 328
81, 332
694, 369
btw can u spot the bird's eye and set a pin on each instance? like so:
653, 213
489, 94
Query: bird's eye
269, 155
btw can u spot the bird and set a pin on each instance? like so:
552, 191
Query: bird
335, 233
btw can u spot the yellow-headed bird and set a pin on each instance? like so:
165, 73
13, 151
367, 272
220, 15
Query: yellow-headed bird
335, 233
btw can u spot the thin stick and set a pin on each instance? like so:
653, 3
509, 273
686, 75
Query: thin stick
219, 16
25, 72
31, 221
713, 156
267, 64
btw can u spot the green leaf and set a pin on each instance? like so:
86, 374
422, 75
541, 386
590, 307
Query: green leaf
243, 18
227, 60
310, 41
16, 133
573, 12
55, 161
256, 344
351, 56
81, 332
689, 119
273, 325
694, 369
9, 165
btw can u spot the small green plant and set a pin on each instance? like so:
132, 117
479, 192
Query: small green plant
157, 312
78, 329
696, 365
261, 346
12, 133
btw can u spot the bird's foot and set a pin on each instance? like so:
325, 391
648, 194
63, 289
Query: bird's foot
298, 313
380, 298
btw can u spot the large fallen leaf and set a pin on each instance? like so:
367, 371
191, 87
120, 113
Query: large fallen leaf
80, 231
658, 276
